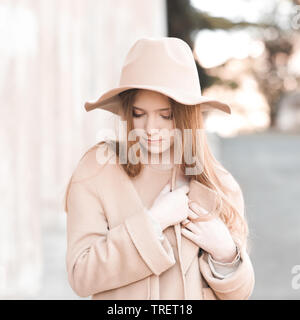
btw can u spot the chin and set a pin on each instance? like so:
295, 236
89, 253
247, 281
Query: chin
156, 149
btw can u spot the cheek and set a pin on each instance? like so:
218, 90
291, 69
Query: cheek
138, 123
170, 125
167, 143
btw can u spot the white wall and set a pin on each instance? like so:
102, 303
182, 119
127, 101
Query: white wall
55, 56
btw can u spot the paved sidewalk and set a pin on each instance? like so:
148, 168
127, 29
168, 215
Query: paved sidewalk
267, 166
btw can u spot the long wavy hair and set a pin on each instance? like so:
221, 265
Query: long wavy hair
189, 117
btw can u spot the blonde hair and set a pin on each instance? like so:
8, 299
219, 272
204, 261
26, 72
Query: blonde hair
190, 117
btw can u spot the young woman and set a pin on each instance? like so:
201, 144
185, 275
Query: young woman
165, 230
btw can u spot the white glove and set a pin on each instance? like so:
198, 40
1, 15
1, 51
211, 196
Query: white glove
170, 208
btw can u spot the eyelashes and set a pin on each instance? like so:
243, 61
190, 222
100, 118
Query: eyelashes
136, 115
170, 117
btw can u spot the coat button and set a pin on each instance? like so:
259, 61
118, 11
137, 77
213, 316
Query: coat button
200, 252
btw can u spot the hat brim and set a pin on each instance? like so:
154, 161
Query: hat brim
110, 100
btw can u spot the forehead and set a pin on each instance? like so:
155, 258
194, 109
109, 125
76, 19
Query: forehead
151, 100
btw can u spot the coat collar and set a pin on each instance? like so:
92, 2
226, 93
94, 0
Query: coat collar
207, 198
198, 192
187, 249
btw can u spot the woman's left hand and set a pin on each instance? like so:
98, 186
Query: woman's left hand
212, 236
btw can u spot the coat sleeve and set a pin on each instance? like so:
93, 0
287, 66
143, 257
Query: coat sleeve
239, 285
223, 270
157, 227
99, 258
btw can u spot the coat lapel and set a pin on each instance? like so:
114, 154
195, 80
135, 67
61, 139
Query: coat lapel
132, 195
206, 198
198, 192
187, 249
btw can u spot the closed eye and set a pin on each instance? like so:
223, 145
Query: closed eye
137, 115
169, 117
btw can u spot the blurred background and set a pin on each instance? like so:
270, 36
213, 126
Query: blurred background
56, 55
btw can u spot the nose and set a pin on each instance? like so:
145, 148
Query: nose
151, 127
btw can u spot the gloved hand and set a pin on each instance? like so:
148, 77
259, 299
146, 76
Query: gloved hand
170, 208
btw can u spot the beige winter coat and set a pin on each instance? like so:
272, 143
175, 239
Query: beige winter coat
113, 251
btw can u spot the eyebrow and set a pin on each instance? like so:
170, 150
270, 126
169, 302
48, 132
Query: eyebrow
163, 109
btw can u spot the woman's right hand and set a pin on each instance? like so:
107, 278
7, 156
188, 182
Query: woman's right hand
170, 208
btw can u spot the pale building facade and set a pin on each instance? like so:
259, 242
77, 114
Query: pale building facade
55, 56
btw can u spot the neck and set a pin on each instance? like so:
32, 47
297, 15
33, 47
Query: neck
163, 160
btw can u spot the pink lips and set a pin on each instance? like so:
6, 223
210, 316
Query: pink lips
153, 141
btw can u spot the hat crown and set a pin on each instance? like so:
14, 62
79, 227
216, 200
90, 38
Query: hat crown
164, 61
165, 65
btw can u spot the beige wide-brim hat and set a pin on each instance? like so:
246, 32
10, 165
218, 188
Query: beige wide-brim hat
165, 65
